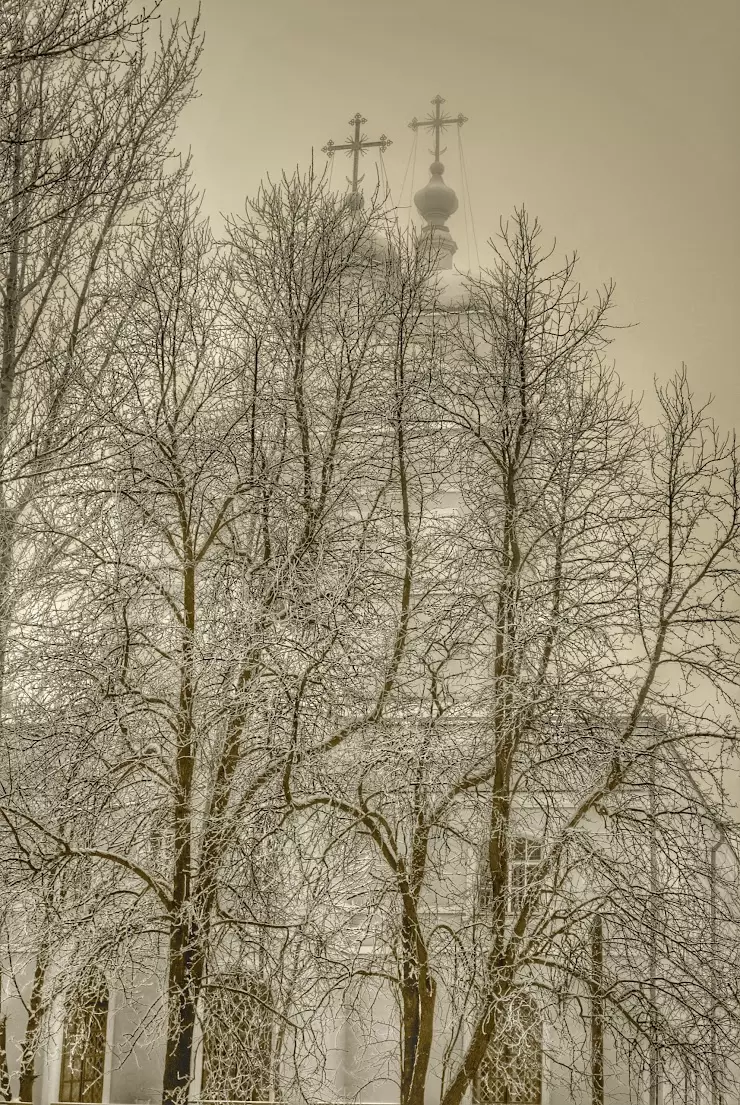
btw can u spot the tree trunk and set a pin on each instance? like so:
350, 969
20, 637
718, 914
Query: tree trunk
418, 994
185, 962
182, 1003
418, 1032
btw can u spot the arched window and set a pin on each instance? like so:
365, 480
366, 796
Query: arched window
511, 1071
237, 1040
83, 1046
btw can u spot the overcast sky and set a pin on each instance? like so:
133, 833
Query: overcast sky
614, 122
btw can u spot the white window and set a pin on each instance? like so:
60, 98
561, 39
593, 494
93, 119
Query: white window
524, 859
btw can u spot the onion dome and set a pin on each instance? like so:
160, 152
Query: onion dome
436, 201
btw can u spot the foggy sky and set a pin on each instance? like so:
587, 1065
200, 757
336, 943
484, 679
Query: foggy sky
615, 123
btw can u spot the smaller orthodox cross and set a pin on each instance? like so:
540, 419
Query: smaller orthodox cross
356, 145
437, 122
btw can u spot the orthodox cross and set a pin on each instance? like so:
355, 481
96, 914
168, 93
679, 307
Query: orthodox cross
437, 122
355, 146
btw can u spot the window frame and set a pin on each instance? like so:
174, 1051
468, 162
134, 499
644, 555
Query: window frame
522, 866
519, 873
88, 1024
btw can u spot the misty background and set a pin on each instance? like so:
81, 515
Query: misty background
615, 124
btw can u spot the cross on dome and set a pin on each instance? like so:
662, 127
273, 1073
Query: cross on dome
437, 122
435, 202
356, 146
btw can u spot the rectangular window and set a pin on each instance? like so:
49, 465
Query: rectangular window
524, 857
83, 1048
526, 854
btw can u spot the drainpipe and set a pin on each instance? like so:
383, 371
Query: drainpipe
716, 1093
654, 1096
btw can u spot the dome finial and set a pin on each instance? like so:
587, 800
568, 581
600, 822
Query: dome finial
436, 201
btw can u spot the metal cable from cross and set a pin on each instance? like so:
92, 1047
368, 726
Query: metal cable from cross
438, 122
356, 145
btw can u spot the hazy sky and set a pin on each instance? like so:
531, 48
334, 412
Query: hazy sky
616, 123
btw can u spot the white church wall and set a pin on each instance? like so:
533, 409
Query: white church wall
137, 1046
369, 1066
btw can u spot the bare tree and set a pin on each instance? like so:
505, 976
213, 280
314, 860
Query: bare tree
597, 578
245, 524
401, 595
85, 140
88, 114
31, 31
60, 921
